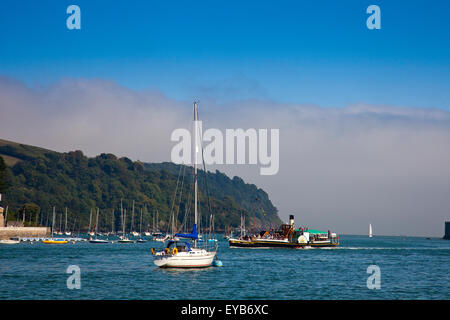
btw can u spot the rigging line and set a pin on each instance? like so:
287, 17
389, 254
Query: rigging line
181, 193
171, 219
187, 209
206, 181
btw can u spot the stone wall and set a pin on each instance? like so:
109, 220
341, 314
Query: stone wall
8, 232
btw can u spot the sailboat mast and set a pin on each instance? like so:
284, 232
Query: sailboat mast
53, 220
112, 222
90, 221
65, 226
195, 162
140, 228
96, 224
121, 216
132, 218
124, 220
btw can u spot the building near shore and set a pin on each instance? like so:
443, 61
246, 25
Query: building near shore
23, 232
16, 229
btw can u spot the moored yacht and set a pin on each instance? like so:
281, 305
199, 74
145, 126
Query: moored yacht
183, 254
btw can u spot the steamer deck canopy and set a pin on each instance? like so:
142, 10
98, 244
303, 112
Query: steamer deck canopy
313, 231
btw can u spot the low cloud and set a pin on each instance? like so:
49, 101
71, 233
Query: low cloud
340, 168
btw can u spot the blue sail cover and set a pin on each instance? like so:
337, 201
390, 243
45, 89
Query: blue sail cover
192, 235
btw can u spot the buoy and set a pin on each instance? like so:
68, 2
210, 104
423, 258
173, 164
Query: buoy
217, 263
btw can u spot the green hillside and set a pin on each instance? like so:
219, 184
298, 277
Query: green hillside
39, 179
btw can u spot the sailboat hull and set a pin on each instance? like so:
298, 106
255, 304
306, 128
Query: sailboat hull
98, 241
199, 259
9, 241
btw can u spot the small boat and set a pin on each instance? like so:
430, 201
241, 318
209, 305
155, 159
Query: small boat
98, 241
52, 240
10, 241
125, 240
370, 231
55, 241
140, 240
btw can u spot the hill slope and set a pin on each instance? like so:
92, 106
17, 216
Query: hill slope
48, 178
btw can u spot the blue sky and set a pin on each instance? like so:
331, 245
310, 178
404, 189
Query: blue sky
311, 52
364, 115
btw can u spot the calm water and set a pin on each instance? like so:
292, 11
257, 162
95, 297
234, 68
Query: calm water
411, 268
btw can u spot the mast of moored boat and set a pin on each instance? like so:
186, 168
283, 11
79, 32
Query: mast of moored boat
132, 219
96, 225
60, 224
121, 215
90, 221
140, 228
124, 220
53, 220
112, 222
195, 164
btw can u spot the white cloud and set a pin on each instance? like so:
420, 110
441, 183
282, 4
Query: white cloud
340, 168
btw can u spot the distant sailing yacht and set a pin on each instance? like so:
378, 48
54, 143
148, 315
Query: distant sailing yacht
96, 240
66, 232
52, 240
140, 240
370, 230
123, 237
182, 254
90, 223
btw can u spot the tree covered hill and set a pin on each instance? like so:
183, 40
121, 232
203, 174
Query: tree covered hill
38, 179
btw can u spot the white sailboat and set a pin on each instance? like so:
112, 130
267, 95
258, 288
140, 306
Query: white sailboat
140, 240
96, 240
53, 240
66, 232
123, 238
90, 223
181, 254
370, 230
10, 241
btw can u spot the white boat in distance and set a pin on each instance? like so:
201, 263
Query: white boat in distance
10, 241
370, 231
96, 240
179, 254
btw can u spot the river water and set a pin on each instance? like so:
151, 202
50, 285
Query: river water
409, 268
